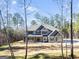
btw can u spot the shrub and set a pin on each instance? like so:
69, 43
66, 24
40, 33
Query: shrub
12, 35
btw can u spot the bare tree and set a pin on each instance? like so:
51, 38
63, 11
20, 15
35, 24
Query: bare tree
7, 36
63, 24
72, 56
26, 34
33, 22
67, 6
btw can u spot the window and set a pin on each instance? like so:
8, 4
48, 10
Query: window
30, 32
38, 32
44, 32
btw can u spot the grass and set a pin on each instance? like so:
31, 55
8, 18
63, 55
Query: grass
39, 56
9, 57
46, 56
35, 53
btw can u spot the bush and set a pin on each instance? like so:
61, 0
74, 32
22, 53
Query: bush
12, 35
18, 35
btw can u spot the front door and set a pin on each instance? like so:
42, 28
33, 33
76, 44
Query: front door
45, 39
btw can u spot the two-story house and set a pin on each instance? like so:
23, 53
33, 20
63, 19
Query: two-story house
43, 33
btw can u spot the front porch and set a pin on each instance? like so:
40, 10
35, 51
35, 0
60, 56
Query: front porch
37, 38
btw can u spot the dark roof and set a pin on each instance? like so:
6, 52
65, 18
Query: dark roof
54, 33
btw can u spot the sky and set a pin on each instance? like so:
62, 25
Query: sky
44, 7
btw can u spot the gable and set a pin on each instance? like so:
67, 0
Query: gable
54, 33
44, 31
42, 27
50, 27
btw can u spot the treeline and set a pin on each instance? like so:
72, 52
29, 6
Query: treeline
15, 25
62, 23
11, 28
14, 20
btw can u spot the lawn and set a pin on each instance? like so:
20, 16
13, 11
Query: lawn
50, 49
